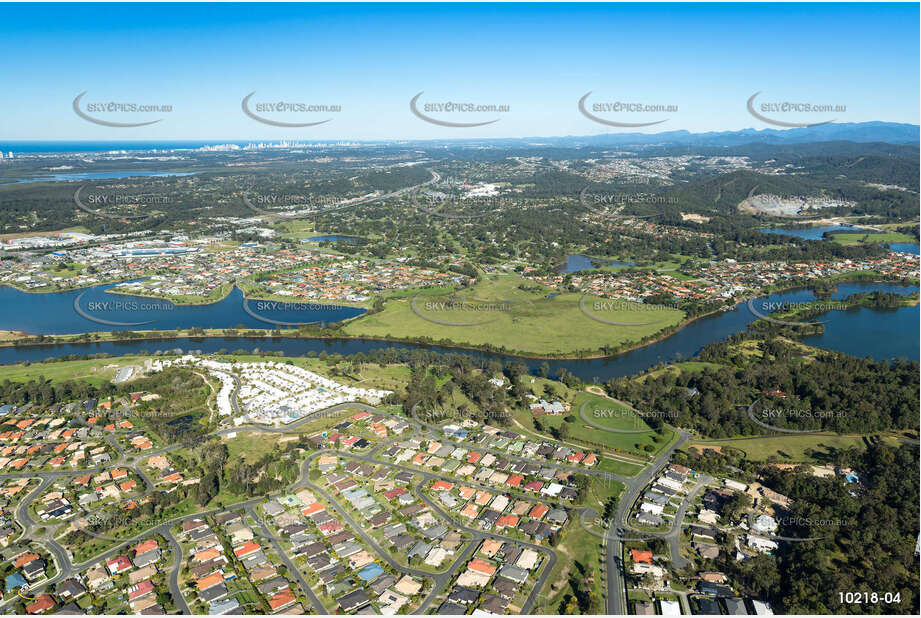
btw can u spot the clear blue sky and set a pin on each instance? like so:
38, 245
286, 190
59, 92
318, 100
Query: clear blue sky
372, 59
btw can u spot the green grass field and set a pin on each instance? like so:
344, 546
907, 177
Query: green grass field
579, 430
789, 448
607, 413
616, 466
532, 323
863, 237
90, 370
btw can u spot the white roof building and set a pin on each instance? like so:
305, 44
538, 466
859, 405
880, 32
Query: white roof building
670, 608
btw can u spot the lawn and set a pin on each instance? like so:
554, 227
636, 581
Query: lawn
616, 466
530, 322
216, 295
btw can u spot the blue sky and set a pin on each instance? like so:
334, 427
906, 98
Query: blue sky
538, 59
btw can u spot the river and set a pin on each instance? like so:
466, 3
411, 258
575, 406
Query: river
860, 332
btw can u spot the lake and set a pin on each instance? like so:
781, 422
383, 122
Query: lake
331, 238
860, 332
575, 263
905, 247
83, 176
810, 233
94, 309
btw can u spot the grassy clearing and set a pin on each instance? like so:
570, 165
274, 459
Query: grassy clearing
78, 229
577, 546
790, 448
684, 367
531, 322
251, 445
296, 229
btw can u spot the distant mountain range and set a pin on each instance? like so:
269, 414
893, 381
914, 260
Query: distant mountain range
888, 132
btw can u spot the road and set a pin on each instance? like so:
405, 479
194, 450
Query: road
673, 536
174, 589
314, 601
616, 584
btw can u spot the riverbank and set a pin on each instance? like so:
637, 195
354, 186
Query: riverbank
309, 333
